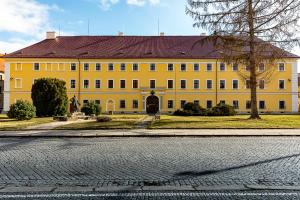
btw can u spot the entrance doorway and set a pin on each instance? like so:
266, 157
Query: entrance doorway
152, 105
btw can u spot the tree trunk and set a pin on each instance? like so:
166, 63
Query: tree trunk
252, 62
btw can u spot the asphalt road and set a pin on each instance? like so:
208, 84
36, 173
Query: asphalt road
240, 164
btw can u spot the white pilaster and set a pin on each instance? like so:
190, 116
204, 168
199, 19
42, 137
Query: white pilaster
295, 87
6, 87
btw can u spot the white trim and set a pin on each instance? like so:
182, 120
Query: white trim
219, 66
107, 86
120, 64
295, 87
95, 64
185, 84
16, 66
6, 102
137, 82
186, 67
224, 84
278, 67
172, 67
212, 67
21, 80
71, 67
212, 83
72, 79
46, 66
83, 67
237, 83
194, 84
259, 84
284, 82
155, 67
95, 84
138, 67
150, 83
33, 66
120, 84
199, 67
172, 83
88, 85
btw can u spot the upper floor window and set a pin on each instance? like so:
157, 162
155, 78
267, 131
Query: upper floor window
235, 104
73, 84
222, 84
183, 67
152, 84
208, 67
86, 84
235, 84
262, 105
36, 66
135, 84
208, 84
222, 67
86, 67
110, 67
248, 84
183, 84
97, 84
170, 67
18, 67
135, 67
196, 84
196, 67
122, 67
261, 84
122, 84
152, 67
170, 84
73, 66
235, 67
281, 67
281, 84
281, 105
98, 67
261, 67
110, 84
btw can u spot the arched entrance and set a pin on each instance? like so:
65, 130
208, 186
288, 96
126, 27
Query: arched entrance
152, 104
110, 106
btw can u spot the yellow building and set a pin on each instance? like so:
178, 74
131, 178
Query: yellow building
1, 82
119, 73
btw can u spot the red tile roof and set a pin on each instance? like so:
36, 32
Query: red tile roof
118, 47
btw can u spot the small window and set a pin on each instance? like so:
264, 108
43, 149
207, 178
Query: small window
86, 67
261, 84
235, 84
110, 67
170, 104
222, 84
170, 84
183, 67
18, 67
262, 105
196, 67
261, 67
222, 102
281, 67
73, 84
110, 84
197, 102
170, 67
86, 84
85, 101
152, 67
122, 104
122, 84
235, 104
248, 104
182, 103
247, 84
98, 67
135, 67
183, 84
281, 105
208, 104
235, 67
73, 66
122, 67
135, 104
222, 67
152, 84
18, 83
36, 66
135, 84
196, 84
98, 102
281, 84
209, 84
208, 67
97, 84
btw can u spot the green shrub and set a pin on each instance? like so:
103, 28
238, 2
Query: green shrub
49, 96
21, 110
104, 119
222, 110
91, 108
182, 113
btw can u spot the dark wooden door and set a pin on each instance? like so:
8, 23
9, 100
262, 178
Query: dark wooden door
152, 104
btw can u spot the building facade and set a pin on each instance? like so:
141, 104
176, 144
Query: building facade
121, 72
1, 82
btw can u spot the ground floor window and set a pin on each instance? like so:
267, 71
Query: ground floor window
222, 102
235, 104
262, 105
135, 104
196, 102
182, 103
248, 104
170, 103
85, 101
122, 104
208, 104
97, 102
281, 105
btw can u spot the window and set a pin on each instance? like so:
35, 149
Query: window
208, 104
248, 84
208, 84
152, 67
110, 67
135, 84
97, 84
152, 84
86, 66
122, 67
262, 105
235, 84
196, 102
110, 84
281, 84
261, 84
122, 84
183, 67
98, 67
98, 102
196, 67
248, 104
86, 84
18, 67
85, 101
235, 104
235, 67
222, 67
36, 66
247, 68
222, 84
281, 105
182, 103
122, 104
170, 67
261, 67
73, 84
281, 67
196, 84
18, 83
170, 84
222, 102
135, 67
73, 66
183, 84
135, 104
208, 67
170, 103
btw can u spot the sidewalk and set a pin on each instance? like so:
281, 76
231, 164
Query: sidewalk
152, 133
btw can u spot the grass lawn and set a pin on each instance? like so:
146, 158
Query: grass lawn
13, 124
240, 121
118, 122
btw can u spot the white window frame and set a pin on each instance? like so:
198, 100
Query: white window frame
137, 82
47, 65
225, 67
120, 84
155, 67
283, 66
88, 67
283, 83
172, 67
21, 84
71, 84
198, 84
71, 67
264, 84
108, 67
212, 67
237, 84
168, 84
88, 85
121, 67
198, 67
232, 65
16, 66
185, 84
96, 67
108, 83
185, 67
224, 84
138, 67
150, 83
34, 66
95, 83
207, 84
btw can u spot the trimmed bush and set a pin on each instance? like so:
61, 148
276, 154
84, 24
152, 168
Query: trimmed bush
50, 98
182, 113
21, 110
222, 110
91, 108
104, 119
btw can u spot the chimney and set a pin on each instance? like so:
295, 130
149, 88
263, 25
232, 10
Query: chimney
50, 35
120, 34
162, 34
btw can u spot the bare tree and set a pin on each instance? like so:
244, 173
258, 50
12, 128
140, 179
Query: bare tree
250, 32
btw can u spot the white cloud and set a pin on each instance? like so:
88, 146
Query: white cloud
142, 2
106, 4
